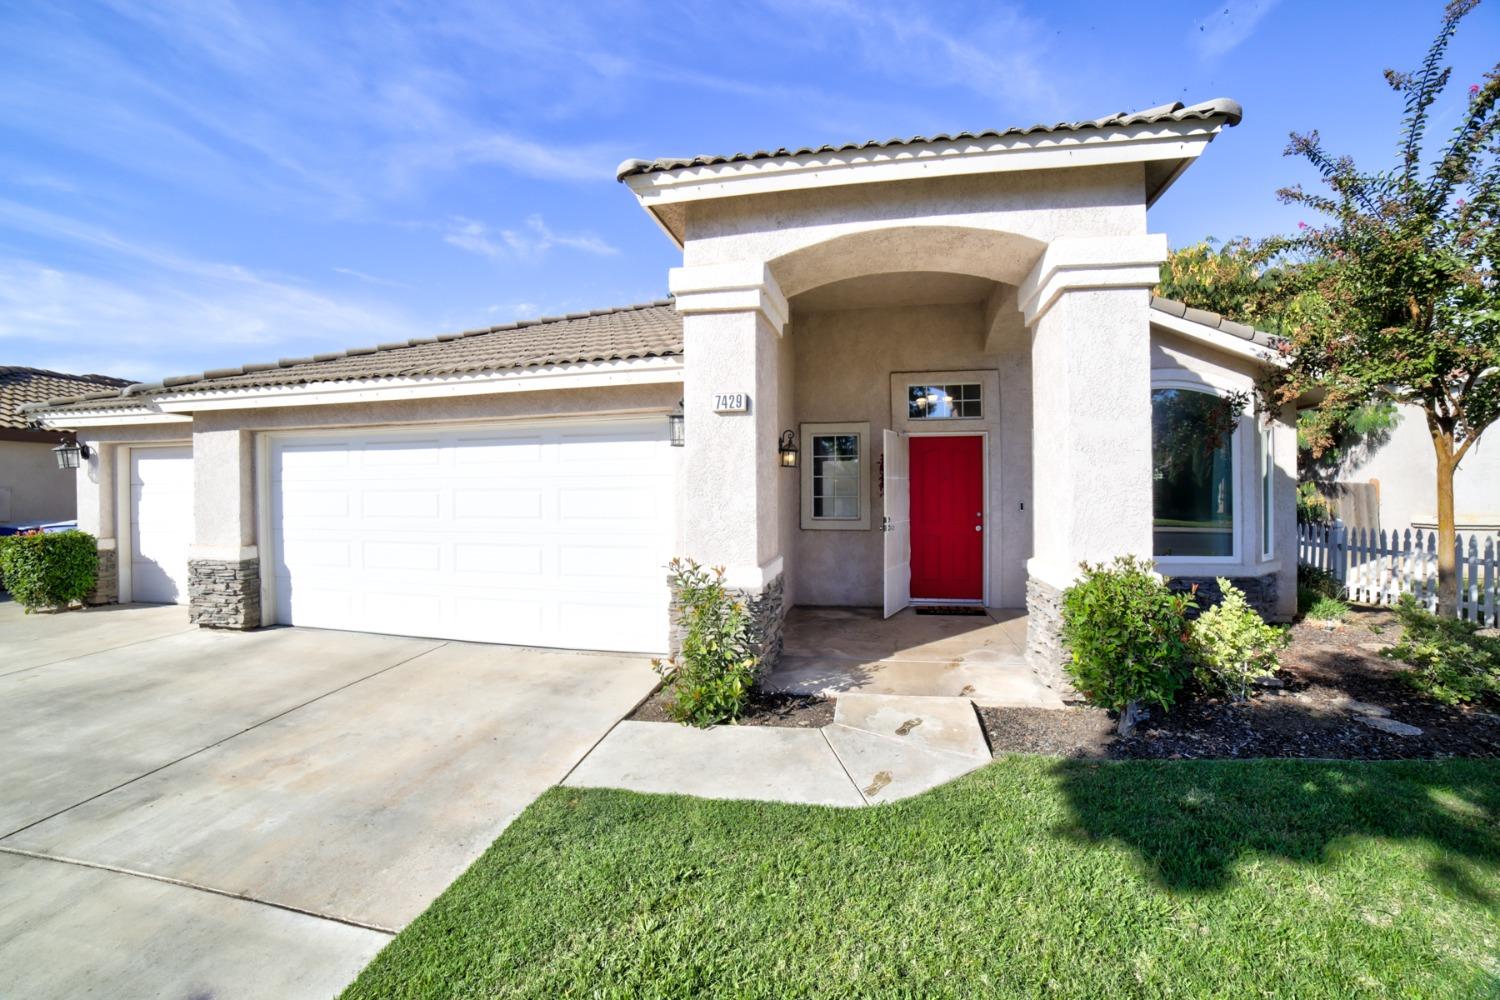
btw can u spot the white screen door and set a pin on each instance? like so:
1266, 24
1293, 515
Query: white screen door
897, 523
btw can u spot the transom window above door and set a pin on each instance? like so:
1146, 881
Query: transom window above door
953, 401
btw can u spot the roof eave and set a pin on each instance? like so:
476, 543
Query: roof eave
1169, 147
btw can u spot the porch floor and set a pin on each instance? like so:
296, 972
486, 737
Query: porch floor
834, 651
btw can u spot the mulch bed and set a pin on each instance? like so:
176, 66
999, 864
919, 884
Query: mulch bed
1328, 679
765, 709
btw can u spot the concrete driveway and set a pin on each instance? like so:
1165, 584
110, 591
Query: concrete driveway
206, 814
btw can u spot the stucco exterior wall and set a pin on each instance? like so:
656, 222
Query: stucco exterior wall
1406, 469
32, 487
1040, 206
844, 361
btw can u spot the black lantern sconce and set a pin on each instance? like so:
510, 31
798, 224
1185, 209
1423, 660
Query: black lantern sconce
788, 450
69, 453
675, 421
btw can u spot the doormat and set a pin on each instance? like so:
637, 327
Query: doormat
950, 609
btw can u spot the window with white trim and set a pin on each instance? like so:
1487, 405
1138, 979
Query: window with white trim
1267, 490
836, 476
1192, 474
957, 401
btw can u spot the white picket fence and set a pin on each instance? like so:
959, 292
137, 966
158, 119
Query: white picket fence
1377, 567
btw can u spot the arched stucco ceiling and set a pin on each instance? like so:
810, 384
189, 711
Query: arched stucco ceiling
985, 253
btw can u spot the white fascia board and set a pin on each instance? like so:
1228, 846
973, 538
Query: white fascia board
579, 376
1166, 141
1218, 340
132, 417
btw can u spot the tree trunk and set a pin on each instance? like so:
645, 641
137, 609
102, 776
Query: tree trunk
1447, 535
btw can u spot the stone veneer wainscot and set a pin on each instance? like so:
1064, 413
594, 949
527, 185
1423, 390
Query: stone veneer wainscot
224, 593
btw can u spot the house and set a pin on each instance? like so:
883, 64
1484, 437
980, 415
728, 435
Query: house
920, 370
32, 489
1387, 481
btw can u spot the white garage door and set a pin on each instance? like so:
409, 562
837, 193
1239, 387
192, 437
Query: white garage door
161, 523
550, 534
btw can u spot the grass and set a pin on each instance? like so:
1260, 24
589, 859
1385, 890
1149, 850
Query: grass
1327, 609
1031, 877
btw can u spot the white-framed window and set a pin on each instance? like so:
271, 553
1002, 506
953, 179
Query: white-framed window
836, 476
1267, 490
950, 401
1194, 472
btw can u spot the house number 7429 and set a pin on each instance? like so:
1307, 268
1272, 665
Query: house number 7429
731, 402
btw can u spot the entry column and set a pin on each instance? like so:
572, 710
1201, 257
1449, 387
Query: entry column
1087, 303
224, 563
733, 318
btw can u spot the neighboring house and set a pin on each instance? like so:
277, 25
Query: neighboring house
1389, 481
32, 487
955, 332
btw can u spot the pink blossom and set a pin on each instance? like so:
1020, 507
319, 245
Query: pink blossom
1301, 225
1473, 89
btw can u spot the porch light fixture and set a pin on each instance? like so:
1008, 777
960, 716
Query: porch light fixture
675, 421
69, 452
788, 450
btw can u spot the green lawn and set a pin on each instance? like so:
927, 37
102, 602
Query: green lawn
1032, 877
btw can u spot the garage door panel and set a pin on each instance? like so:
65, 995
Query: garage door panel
411, 556
507, 536
504, 505
404, 504
503, 561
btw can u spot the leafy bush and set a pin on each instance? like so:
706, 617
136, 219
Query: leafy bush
1233, 645
1127, 635
49, 570
1453, 662
1327, 609
709, 681
1319, 581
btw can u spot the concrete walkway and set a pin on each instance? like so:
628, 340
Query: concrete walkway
191, 813
833, 651
880, 748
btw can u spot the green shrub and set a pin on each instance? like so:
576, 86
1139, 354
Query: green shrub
709, 681
1233, 645
1327, 609
1452, 662
1127, 635
49, 570
1319, 581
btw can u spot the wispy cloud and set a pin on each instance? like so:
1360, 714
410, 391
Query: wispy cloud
163, 310
1227, 25
532, 239
369, 279
996, 55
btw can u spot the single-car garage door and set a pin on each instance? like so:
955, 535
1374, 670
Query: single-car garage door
549, 534
161, 524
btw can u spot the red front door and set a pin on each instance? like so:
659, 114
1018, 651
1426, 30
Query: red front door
947, 518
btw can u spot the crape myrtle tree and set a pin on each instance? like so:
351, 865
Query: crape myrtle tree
1402, 268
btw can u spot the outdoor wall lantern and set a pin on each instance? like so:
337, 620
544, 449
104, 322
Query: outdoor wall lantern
675, 421
788, 450
69, 452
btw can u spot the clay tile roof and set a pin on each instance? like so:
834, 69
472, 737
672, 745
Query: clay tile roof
1221, 107
19, 386
1213, 320
648, 330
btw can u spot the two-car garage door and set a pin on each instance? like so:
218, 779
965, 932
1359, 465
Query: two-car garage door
553, 534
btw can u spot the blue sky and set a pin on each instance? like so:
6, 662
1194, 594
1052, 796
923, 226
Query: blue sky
201, 183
